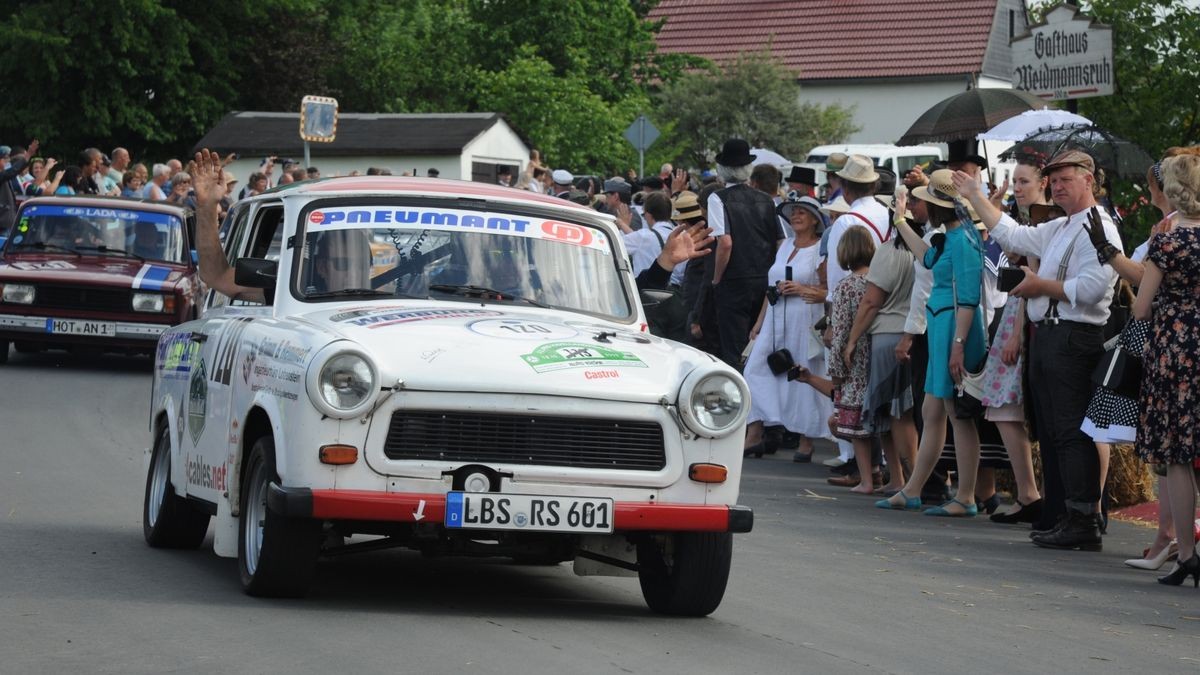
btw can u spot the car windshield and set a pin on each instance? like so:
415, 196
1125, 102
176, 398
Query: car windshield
92, 230
458, 254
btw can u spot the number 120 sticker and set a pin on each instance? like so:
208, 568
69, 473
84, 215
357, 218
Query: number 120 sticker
521, 329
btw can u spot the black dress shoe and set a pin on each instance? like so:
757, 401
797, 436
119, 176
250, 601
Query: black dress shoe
1042, 527
1080, 532
755, 450
1028, 513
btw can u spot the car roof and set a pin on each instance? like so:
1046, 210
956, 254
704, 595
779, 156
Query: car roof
421, 187
110, 203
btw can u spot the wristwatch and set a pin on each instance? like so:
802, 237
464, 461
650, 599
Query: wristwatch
959, 341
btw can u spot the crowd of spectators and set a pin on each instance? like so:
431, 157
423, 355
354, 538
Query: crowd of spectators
929, 326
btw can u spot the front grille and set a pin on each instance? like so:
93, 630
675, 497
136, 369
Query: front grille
525, 439
84, 297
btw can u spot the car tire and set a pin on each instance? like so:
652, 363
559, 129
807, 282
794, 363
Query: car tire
168, 520
23, 347
277, 555
3, 352
684, 574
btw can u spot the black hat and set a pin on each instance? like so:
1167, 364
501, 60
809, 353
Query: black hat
652, 182
801, 174
887, 181
735, 152
433, 173
961, 151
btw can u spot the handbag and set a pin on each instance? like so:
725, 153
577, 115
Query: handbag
1118, 370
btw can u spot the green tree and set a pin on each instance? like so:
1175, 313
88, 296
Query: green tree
120, 72
753, 97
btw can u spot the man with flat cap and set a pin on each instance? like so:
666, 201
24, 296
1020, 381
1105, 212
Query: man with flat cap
618, 196
747, 231
1068, 303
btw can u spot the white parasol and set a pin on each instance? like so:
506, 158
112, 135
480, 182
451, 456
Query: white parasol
1020, 127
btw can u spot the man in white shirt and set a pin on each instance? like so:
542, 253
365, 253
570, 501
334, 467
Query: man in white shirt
645, 244
1068, 302
858, 187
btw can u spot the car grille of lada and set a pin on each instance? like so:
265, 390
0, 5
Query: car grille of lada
525, 439
83, 297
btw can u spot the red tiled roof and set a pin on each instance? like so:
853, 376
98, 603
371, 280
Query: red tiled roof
835, 39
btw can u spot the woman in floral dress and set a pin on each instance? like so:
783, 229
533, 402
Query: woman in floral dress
1169, 297
854, 252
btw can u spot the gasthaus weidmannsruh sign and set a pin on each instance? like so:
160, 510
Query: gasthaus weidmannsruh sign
1067, 56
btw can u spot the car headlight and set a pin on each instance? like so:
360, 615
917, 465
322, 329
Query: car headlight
344, 383
148, 302
21, 294
714, 404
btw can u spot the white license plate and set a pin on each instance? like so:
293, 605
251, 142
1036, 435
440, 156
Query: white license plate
78, 327
531, 513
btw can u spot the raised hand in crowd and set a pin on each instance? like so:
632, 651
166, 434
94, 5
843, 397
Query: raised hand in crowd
623, 216
1095, 232
915, 177
997, 198
208, 186
685, 243
679, 181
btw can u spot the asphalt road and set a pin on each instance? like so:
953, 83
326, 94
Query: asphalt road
824, 584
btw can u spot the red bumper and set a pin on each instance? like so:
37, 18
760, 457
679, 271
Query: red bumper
403, 508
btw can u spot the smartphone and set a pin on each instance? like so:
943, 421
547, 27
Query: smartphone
1010, 278
787, 273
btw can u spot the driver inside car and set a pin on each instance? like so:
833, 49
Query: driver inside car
338, 260
145, 241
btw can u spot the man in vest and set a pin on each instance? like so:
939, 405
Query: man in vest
746, 229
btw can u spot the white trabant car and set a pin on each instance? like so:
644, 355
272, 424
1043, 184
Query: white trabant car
491, 390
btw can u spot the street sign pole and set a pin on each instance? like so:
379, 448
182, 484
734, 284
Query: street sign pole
307, 161
641, 120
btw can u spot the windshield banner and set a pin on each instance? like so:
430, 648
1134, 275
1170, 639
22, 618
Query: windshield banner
155, 217
450, 220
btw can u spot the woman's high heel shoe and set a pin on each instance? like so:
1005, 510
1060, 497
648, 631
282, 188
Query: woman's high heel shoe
1183, 570
1168, 552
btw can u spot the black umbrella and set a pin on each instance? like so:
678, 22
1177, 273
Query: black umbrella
1118, 157
964, 115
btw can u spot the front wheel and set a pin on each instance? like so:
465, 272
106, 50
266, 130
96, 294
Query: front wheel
277, 555
685, 574
3, 351
168, 520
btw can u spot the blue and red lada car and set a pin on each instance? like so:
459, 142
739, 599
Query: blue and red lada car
95, 274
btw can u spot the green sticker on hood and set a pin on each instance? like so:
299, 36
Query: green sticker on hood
562, 355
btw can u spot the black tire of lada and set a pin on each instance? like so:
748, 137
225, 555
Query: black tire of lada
693, 582
178, 524
287, 556
3, 352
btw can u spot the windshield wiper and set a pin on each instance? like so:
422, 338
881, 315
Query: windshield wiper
45, 247
483, 292
341, 292
115, 251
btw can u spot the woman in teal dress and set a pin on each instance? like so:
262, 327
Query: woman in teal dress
957, 342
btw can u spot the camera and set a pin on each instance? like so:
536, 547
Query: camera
1009, 278
773, 295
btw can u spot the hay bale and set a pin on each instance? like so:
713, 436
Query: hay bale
1130, 480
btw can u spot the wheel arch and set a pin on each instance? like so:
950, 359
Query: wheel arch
260, 420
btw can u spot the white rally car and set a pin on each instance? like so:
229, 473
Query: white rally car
490, 391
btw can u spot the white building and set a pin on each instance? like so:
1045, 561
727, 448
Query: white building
468, 146
889, 59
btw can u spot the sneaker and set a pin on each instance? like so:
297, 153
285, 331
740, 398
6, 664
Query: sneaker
834, 462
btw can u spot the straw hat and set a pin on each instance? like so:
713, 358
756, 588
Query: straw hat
940, 191
859, 169
838, 206
835, 162
687, 206
795, 201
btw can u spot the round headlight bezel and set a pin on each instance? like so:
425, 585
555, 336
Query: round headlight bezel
316, 376
703, 381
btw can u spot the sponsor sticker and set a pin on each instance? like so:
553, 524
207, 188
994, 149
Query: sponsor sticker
39, 266
151, 278
380, 317
176, 355
601, 374
197, 409
522, 329
201, 474
457, 219
563, 355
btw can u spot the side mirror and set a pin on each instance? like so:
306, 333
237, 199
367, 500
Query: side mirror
652, 297
255, 272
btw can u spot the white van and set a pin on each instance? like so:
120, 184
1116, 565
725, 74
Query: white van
898, 158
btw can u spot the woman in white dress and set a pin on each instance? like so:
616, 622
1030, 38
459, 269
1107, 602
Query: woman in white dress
798, 279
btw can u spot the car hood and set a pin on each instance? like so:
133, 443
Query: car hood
92, 270
488, 348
